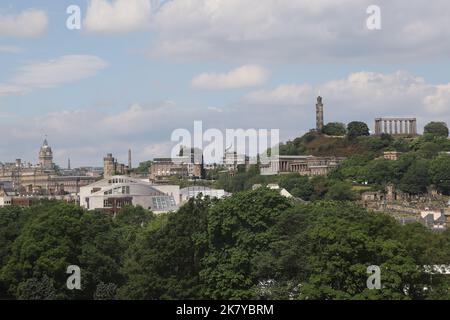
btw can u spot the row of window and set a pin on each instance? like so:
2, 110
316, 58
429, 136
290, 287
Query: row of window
118, 203
118, 190
118, 180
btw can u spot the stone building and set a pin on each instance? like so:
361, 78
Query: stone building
43, 178
391, 155
396, 126
112, 167
46, 156
304, 165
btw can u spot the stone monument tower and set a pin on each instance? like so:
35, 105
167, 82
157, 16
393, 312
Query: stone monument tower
319, 114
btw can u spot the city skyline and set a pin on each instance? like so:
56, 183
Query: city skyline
127, 79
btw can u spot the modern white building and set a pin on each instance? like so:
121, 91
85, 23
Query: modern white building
113, 193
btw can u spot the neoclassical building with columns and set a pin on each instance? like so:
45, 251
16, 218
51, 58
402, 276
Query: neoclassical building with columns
396, 126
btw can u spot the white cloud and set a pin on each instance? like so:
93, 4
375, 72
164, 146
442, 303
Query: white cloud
120, 16
29, 24
146, 129
289, 94
359, 96
439, 101
302, 30
10, 49
11, 90
52, 73
61, 70
245, 76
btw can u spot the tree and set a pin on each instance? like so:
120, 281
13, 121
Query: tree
239, 228
59, 235
105, 291
37, 289
341, 191
144, 167
298, 186
12, 221
344, 240
335, 129
380, 172
357, 129
416, 179
440, 173
436, 129
164, 261
429, 150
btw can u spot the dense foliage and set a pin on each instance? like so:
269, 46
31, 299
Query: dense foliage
253, 245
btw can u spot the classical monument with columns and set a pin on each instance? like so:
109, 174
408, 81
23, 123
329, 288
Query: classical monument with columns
396, 126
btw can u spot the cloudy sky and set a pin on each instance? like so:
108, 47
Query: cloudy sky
139, 69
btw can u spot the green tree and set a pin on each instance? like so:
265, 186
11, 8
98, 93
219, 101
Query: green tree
59, 235
357, 129
335, 129
344, 240
440, 173
238, 229
341, 191
380, 172
429, 150
436, 129
164, 261
105, 291
298, 186
416, 179
12, 220
37, 289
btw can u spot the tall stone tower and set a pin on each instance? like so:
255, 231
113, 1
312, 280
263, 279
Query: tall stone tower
46, 156
109, 165
129, 159
319, 114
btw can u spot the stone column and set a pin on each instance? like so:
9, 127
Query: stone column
390, 127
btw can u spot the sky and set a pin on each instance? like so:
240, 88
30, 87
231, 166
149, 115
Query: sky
136, 70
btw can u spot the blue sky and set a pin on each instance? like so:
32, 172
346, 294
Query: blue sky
134, 72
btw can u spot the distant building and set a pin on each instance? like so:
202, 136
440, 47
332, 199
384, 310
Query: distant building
195, 191
396, 126
391, 155
188, 164
164, 168
113, 193
44, 178
112, 167
231, 160
304, 165
46, 156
